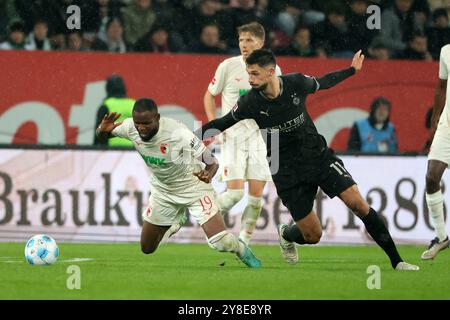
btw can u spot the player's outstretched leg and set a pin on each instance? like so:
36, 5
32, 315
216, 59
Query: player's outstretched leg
435, 203
307, 230
226, 200
252, 210
173, 229
375, 227
151, 236
222, 240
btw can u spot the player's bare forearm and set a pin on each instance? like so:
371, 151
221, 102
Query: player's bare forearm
333, 78
439, 102
102, 136
107, 125
210, 105
212, 165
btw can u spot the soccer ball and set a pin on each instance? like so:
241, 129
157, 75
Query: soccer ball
41, 249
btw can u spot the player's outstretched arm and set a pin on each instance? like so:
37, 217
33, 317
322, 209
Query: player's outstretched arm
331, 79
214, 127
212, 165
107, 125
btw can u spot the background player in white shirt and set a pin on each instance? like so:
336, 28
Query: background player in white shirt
243, 149
439, 157
181, 170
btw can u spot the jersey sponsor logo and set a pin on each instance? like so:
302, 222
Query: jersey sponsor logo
243, 91
164, 147
235, 107
290, 125
149, 160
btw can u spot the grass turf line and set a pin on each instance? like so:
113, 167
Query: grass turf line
193, 271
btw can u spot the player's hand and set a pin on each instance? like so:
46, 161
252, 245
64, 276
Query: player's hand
357, 61
109, 122
204, 175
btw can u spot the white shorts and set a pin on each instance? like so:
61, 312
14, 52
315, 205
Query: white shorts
244, 160
165, 209
440, 148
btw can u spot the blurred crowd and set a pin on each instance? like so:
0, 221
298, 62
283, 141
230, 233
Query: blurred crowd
410, 29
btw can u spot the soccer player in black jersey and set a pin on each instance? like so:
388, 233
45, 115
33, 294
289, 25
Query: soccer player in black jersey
277, 104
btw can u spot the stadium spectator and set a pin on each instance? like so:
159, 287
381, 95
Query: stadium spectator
96, 14
113, 41
417, 48
439, 33
8, 13
293, 12
376, 134
205, 13
156, 41
38, 40
301, 44
75, 41
436, 4
378, 50
244, 13
138, 18
398, 24
361, 36
422, 14
330, 37
116, 101
209, 41
16, 37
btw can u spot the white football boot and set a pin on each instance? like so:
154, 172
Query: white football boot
406, 266
288, 249
434, 248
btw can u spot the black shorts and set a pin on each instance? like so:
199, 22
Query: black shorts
297, 185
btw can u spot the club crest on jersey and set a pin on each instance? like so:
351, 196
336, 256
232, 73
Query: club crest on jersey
164, 147
295, 99
213, 81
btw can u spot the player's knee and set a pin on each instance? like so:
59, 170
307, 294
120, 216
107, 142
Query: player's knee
359, 206
313, 237
235, 195
223, 242
148, 249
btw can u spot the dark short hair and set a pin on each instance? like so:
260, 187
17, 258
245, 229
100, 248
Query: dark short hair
262, 57
253, 28
145, 104
439, 12
112, 19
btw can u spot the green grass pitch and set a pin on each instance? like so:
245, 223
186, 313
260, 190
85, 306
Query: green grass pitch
193, 271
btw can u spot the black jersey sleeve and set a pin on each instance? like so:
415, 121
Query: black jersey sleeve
239, 112
305, 83
333, 78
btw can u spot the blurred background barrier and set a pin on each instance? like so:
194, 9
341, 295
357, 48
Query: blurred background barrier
95, 195
53, 97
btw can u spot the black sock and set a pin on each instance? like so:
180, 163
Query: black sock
293, 234
378, 231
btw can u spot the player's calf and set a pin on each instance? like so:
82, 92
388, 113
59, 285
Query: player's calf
148, 248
